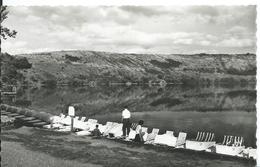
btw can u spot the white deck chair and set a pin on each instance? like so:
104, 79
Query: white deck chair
134, 125
117, 130
64, 129
206, 137
169, 133
62, 116
241, 141
66, 120
76, 118
83, 119
102, 128
92, 121
109, 125
209, 137
151, 136
132, 134
155, 131
83, 133
181, 139
224, 140
212, 137
227, 140
236, 141
197, 137
145, 129
165, 139
200, 136
230, 141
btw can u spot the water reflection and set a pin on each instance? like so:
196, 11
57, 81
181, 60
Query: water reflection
223, 110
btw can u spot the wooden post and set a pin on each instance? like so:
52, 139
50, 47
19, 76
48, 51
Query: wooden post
51, 123
71, 114
72, 122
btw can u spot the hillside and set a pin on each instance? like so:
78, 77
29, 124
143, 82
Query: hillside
83, 67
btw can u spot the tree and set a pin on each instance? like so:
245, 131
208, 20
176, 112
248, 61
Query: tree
6, 32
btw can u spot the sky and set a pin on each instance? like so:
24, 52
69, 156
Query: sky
132, 29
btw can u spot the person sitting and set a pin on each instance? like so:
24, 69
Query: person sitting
139, 134
96, 132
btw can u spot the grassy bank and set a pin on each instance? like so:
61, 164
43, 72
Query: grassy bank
37, 147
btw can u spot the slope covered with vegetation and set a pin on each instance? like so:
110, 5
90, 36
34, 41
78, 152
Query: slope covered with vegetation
84, 67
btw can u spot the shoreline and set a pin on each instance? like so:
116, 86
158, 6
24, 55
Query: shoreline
47, 119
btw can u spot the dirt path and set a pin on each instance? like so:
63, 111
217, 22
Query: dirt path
25, 146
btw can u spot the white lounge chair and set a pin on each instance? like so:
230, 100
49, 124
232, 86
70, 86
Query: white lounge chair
197, 137
54, 126
64, 129
169, 133
62, 116
82, 125
181, 139
252, 153
102, 128
151, 136
231, 145
229, 150
165, 139
145, 129
83, 119
92, 121
117, 130
66, 120
109, 126
203, 142
132, 134
83, 133
134, 125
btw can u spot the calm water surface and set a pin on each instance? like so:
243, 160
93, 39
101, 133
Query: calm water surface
223, 110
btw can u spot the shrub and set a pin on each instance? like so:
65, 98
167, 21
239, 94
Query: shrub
22, 63
24, 103
168, 64
43, 116
49, 83
12, 109
3, 107
71, 58
28, 113
21, 111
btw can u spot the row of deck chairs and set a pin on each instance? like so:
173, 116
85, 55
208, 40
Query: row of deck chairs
114, 130
205, 136
233, 141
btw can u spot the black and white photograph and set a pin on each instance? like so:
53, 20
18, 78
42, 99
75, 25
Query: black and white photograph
128, 85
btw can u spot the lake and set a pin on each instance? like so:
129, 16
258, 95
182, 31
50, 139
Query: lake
224, 110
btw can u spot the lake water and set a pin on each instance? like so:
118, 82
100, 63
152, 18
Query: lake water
224, 110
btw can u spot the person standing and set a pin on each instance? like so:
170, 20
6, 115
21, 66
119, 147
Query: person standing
126, 121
